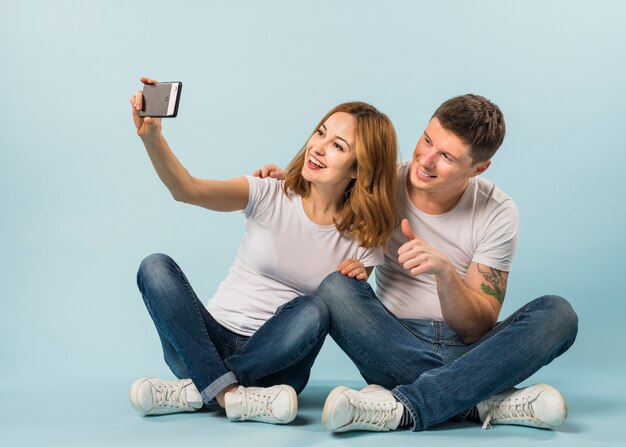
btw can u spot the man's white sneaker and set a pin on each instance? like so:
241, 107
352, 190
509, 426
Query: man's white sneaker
373, 408
158, 396
274, 405
538, 406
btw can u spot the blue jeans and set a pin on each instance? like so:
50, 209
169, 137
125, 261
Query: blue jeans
196, 346
427, 366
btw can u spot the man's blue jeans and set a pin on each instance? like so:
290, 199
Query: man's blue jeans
427, 366
196, 346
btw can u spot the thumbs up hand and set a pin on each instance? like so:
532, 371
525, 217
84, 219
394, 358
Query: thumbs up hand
407, 231
417, 256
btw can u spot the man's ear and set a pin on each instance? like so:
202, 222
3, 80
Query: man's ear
481, 167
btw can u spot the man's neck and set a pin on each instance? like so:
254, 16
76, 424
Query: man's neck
434, 203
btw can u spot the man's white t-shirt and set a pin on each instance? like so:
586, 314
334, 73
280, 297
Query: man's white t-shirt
482, 227
283, 255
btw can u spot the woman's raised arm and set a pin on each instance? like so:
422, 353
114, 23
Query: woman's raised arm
218, 195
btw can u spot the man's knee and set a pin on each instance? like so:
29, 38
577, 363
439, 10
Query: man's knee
337, 287
560, 316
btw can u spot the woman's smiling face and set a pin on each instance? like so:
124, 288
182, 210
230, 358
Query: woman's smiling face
331, 152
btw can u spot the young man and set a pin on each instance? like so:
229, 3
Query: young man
429, 344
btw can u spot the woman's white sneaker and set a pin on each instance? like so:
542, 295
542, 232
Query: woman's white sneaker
274, 405
540, 406
151, 396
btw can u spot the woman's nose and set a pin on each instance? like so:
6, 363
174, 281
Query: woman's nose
320, 147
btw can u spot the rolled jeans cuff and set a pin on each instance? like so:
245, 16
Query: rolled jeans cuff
209, 393
407, 405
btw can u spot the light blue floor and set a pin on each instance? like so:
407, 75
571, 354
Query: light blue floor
83, 412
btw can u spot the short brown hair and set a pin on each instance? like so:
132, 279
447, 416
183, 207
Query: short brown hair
475, 120
369, 212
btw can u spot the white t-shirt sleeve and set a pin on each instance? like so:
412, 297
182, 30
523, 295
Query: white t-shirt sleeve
498, 237
261, 195
371, 257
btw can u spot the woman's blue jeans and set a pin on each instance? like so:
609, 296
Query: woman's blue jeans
196, 346
427, 366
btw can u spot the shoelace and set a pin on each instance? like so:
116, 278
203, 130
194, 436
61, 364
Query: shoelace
171, 395
370, 416
254, 404
520, 407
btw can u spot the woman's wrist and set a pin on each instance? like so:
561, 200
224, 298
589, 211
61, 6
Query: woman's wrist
152, 139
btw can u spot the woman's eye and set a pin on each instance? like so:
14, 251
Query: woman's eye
338, 146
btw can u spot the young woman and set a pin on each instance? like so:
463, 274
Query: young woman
252, 347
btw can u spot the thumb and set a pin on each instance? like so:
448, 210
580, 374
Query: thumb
406, 230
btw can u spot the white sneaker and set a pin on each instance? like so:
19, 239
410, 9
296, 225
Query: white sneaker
275, 405
538, 406
158, 396
373, 408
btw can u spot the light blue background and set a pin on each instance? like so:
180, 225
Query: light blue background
81, 205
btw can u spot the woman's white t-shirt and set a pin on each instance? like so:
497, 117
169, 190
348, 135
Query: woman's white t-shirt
283, 255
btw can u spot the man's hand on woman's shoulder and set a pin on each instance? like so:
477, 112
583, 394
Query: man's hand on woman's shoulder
271, 170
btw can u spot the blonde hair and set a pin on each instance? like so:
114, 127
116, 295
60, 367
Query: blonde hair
369, 209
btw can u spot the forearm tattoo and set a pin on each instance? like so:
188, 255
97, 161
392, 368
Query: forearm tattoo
496, 284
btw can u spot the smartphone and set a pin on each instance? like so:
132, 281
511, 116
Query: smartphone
161, 100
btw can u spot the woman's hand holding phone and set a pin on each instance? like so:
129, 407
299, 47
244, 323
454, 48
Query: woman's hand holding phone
147, 127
